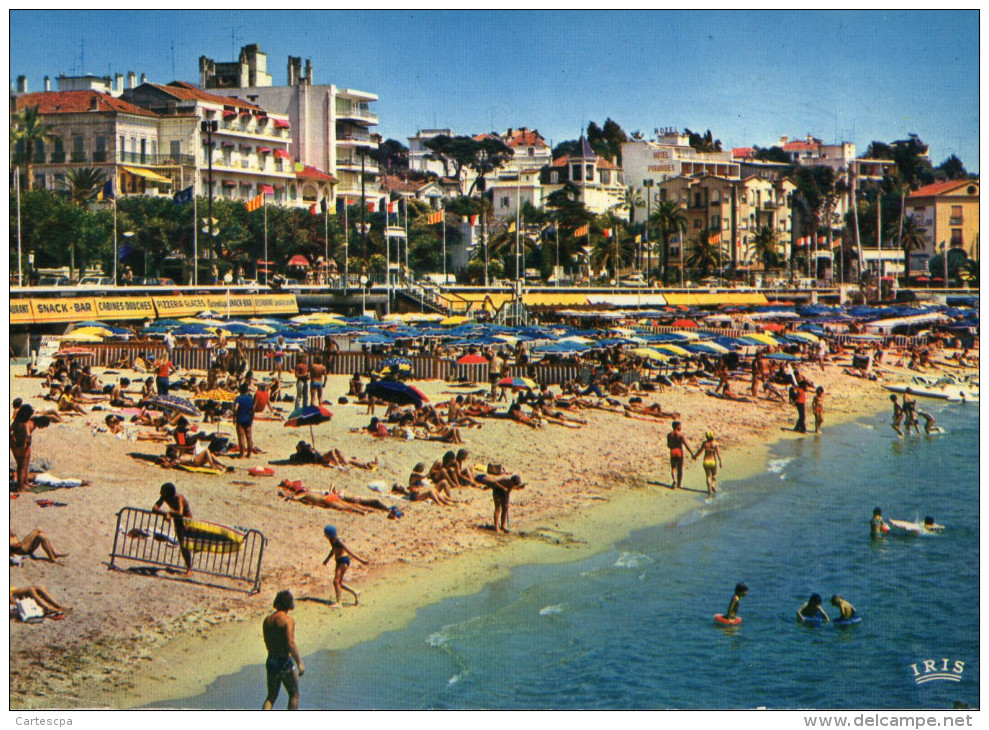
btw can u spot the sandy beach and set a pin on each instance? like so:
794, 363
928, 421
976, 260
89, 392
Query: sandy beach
130, 640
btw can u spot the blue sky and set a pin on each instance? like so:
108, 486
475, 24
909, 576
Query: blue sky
748, 76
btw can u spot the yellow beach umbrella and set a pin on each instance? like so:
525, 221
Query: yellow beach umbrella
96, 331
688, 334
79, 336
673, 349
454, 320
806, 336
761, 337
650, 354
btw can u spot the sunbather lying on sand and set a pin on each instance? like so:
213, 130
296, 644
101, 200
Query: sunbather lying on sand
49, 605
31, 542
306, 454
655, 411
421, 488
335, 499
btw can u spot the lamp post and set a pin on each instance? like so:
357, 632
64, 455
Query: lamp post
648, 185
208, 128
363, 292
128, 235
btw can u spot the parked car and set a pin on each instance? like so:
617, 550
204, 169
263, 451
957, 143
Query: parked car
95, 281
53, 280
154, 281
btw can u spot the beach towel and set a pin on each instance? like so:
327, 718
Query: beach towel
29, 611
45, 482
261, 471
199, 469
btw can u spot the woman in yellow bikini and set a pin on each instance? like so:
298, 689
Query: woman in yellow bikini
712, 460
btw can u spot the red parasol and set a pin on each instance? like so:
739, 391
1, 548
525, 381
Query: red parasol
687, 323
298, 260
472, 359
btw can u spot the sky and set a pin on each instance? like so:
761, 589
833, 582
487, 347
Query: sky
749, 76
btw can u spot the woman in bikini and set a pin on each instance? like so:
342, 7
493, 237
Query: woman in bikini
712, 460
421, 488
21, 431
342, 555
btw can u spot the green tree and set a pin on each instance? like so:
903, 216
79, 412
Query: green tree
703, 142
911, 239
27, 132
771, 154
706, 253
764, 246
957, 264
607, 141
668, 219
82, 185
481, 156
951, 169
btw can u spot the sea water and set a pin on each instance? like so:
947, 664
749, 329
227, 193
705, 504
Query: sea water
633, 627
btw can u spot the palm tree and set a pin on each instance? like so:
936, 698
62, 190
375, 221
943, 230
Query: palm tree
764, 247
82, 185
29, 130
707, 252
603, 252
911, 239
668, 218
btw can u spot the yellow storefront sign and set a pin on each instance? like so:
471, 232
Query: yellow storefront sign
125, 308
712, 299
63, 310
171, 307
20, 311
275, 304
235, 304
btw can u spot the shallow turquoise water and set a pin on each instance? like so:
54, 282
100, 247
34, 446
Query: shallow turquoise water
632, 627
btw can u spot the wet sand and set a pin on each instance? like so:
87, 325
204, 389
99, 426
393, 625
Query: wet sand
130, 640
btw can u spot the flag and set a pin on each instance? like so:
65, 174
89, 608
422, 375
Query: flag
372, 207
255, 203
312, 209
607, 232
473, 220
183, 196
716, 238
267, 190
511, 227
433, 218
638, 238
582, 231
106, 193
322, 205
393, 207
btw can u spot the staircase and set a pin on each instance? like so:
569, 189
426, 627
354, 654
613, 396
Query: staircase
513, 314
427, 298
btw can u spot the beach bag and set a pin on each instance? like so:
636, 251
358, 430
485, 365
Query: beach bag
29, 611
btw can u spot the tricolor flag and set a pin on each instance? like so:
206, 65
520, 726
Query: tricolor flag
267, 190
183, 196
372, 207
312, 209
473, 220
393, 207
607, 232
106, 192
434, 218
582, 231
255, 203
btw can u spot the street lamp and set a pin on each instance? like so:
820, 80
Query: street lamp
364, 281
208, 128
648, 185
128, 235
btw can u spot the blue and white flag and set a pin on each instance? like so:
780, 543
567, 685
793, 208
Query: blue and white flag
183, 196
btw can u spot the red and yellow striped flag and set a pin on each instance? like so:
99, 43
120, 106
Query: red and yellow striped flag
716, 238
582, 231
436, 217
255, 203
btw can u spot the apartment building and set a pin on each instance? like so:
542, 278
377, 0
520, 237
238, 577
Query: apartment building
145, 153
947, 212
329, 127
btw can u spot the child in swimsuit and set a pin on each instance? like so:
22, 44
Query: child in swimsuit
740, 591
817, 406
676, 442
342, 554
812, 609
712, 460
847, 610
878, 527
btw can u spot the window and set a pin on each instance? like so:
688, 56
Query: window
576, 173
697, 222
291, 192
78, 149
144, 144
175, 148
715, 222
123, 144
956, 237
99, 153
956, 216
726, 224
590, 173
532, 152
605, 177
504, 201
39, 181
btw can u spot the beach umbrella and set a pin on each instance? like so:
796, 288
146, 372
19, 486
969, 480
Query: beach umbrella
238, 328
650, 354
666, 337
97, 331
172, 403
92, 323
74, 352
707, 346
685, 323
472, 359
375, 339
517, 383
782, 356
193, 330
394, 391
673, 349
688, 335
308, 416
760, 338
81, 337
218, 395
806, 336
560, 348
298, 260
396, 367
453, 321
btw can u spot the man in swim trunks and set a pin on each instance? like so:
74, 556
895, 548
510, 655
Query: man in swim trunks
897, 414
501, 486
676, 442
317, 380
910, 412
847, 610
176, 507
279, 639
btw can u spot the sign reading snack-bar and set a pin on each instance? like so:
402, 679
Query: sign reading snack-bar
124, 308
63, 310
233, 304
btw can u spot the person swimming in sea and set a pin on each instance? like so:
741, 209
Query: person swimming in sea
740, 591
931, 526
812, 609
342, 554
712, 460
847, 610
878, 527
930, 425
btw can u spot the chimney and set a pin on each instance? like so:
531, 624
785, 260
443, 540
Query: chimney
308, 72
22, 84
131, 80
144, 78
118, 83
48, 83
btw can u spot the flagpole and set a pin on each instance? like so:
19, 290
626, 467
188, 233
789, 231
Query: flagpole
17, 182
326, 242
557, 230
195, 238
406, 200
518, 221
443, 223
387, 265
346, 247
265, 206
484, 236
115, 240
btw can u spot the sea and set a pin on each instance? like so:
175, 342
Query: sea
632, 627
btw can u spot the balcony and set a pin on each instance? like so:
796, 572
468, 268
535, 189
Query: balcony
58, 157
354, 164
100, 156
136, 158
955, 221
354, 111
78, 157
355, 139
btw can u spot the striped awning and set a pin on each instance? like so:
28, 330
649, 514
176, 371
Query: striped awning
229, 113
264, 150
229, 183
148, 175
281, 124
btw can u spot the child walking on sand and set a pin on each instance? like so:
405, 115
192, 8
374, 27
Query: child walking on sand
817, 406
342, 554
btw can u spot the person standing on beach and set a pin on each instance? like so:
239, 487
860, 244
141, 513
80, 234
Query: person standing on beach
301, 382
342, 554
495, 369
800, 401
817, 407
897, 414
676, 442
317, 374
163, 369
176, 507
501, 486
244, 421
712, 460
278, 631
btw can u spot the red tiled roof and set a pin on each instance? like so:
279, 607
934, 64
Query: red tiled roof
393, 182
941, 188
602, 163
742, 151
308, 172
800, 147
525, 138
75, 102
187, 91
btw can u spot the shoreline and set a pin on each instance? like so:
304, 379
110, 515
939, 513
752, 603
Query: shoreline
588, 507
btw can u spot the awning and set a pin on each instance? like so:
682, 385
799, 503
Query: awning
264, 150
245, 113
280, 124
148, 175
229, 183
229, 114
226, 144
283, 154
